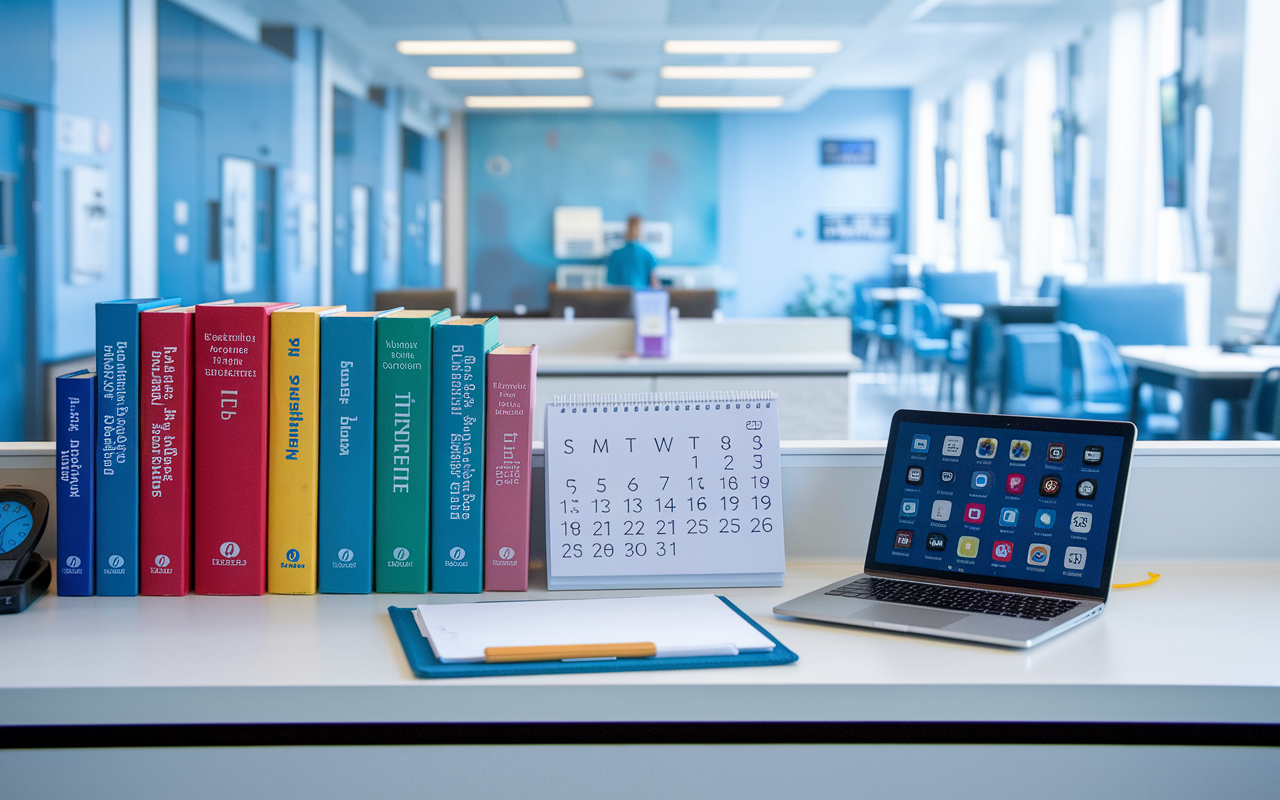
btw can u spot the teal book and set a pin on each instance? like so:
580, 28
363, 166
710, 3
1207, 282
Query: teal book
457, 461
348, 368
402, 451
118, 481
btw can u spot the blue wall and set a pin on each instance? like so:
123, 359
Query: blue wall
663, 166
772, 187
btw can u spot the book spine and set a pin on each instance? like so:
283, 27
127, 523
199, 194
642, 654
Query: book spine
294, 453
457, 520
508, 462
348, 356
77, 428
402, 470
230, 499
164, 509
116, 540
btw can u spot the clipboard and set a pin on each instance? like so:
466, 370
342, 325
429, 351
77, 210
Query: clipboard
424, 663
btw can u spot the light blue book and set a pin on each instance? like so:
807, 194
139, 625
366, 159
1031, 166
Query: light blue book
458, 351
348, 365
117, 453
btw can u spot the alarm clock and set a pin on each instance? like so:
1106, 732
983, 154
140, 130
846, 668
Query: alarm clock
23, 514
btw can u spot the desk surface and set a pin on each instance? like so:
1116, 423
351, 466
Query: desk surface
1202, 361
1198, 646
701, 364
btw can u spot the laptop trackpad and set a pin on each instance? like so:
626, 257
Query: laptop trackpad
908, 615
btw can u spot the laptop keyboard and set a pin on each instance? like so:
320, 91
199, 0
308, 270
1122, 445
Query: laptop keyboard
955, 598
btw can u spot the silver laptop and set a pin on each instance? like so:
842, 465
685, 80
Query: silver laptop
987, 528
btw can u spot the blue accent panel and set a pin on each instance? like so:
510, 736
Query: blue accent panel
179, 166
357, 161
13, 274
117, 452
178, 57
1137, 313
77, 395
346, 478
773, 185
26, 58
663, 166
421, 185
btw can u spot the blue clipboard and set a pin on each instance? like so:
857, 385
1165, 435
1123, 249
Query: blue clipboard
424, 663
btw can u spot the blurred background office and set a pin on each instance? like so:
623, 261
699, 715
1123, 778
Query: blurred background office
1053, 207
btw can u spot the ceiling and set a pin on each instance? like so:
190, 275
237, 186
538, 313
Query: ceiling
896, 43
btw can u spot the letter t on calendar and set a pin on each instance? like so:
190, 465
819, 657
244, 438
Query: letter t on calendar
664, 491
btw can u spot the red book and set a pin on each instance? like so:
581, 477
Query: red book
232, 357
164, 507
511, 373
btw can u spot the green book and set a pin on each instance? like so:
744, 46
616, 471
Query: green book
402, 451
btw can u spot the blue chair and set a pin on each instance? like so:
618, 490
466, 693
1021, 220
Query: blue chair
962, 287
1031, 379
1262, 420
1050, 286
1094, 382
1272, 333
871, 321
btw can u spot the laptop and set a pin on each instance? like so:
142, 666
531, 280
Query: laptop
987, 528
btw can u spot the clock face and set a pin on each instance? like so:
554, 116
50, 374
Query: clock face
15, 525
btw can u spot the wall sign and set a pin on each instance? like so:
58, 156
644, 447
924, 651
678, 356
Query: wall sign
238, 227
841, 152
855, 227
90, 249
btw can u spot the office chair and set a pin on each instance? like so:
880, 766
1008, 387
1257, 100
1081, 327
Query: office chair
1262, 419
1031, 378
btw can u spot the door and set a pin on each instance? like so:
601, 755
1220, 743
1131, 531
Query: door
13, 272
264, 210
357, 158
182, 240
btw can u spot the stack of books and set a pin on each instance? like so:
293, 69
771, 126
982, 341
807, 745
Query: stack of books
242, 448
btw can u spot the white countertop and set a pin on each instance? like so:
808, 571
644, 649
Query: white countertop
701, 364
1200, 645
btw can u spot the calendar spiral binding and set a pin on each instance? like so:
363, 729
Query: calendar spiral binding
661, 398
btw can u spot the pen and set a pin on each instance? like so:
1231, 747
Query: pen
557, 652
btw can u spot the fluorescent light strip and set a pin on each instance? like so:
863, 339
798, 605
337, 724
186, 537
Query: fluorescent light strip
529, 101
504, 73
487, 47
743, 101
751, 46
737, 73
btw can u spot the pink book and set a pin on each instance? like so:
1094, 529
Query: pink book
509, 400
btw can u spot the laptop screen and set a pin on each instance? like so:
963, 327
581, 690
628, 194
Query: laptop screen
1005, 500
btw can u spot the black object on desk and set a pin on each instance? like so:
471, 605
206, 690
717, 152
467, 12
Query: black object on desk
24, 576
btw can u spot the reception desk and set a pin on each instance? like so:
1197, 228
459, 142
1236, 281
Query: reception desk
806, 360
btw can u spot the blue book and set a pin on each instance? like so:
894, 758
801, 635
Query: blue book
348, 364
458, 350
116, 548
77, 394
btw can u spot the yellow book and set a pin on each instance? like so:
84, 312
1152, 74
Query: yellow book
293, 444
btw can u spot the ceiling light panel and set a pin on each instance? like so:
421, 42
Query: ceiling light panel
751, 46
737, 73
487, 47
505, 73
528, 101
718, 101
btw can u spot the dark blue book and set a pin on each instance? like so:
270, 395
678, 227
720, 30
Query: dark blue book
116, 547
458, 350
348, 365
77, 394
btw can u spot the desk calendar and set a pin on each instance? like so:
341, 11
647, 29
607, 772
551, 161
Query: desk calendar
654, 491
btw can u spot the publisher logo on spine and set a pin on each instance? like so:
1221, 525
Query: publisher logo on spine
291, 560
162, 560
292, 555
229, 551
72, 566
456, 556
115, 565
506, 557
346, 559
400, 558
116, 562
162, 566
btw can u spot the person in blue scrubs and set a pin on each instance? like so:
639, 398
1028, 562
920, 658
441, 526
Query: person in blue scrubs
632, 265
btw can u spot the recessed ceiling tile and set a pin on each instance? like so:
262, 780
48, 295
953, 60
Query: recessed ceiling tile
725, 12
506, 12
827, 12
607, 12
407, 12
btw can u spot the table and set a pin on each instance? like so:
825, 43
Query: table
1201, 374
